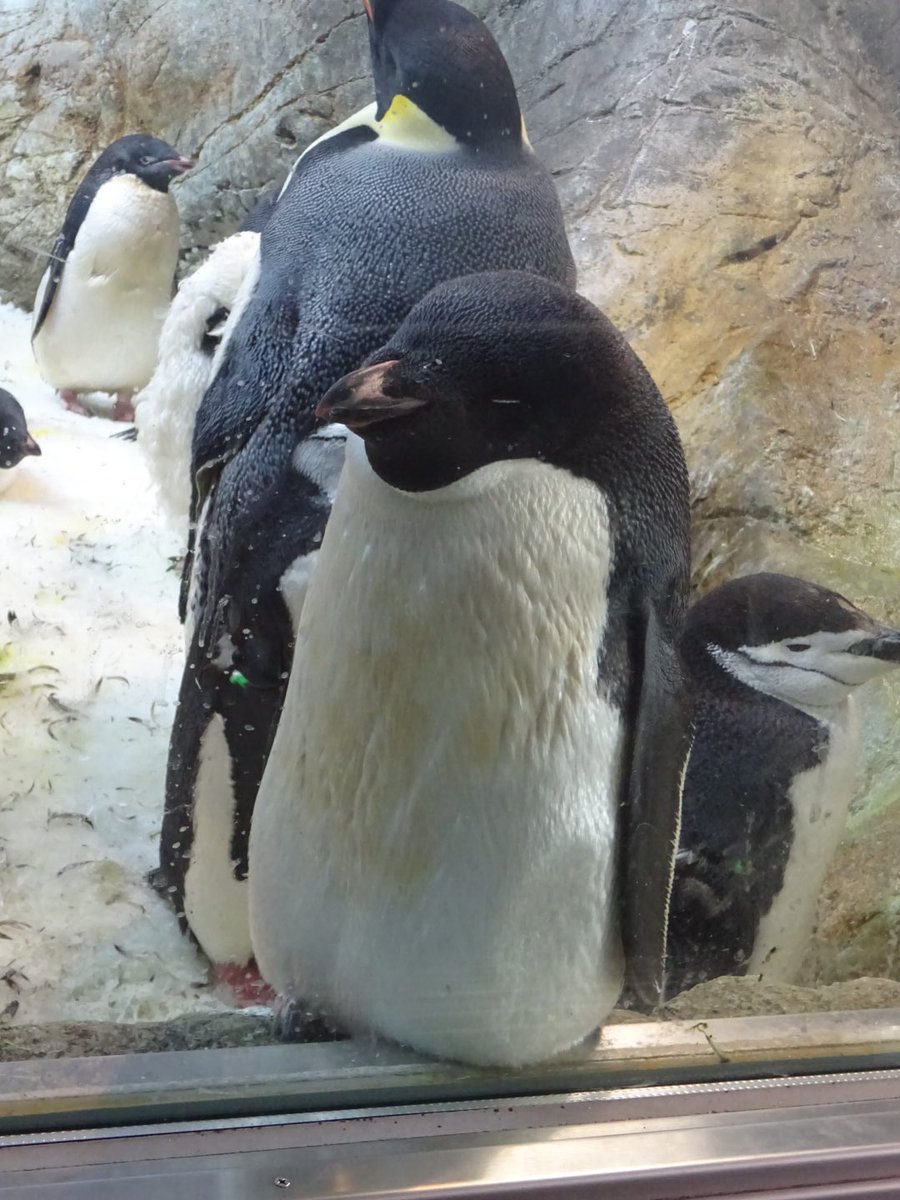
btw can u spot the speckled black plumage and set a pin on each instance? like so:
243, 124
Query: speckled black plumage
360, 233
737, 826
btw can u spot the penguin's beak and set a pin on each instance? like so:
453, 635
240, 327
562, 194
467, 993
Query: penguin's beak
31, 446
367, 5
367, 397
884, 645
178, 165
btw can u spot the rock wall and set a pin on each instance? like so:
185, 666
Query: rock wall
730, 177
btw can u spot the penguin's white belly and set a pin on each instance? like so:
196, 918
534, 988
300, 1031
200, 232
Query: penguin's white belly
215, 902
433, 847
821, 798
102, 330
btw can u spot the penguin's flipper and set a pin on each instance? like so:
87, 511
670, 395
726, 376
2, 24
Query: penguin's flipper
715, 912
653, 809
50, 283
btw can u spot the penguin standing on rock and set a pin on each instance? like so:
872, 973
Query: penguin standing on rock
435, 179
101, 303
16, 442
471, 804
774, 662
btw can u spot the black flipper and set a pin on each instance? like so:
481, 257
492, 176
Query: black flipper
653, 809
99, 174
55, 267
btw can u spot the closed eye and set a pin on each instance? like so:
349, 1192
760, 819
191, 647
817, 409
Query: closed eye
797, 646
498, 400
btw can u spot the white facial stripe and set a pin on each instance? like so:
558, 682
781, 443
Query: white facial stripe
821, 675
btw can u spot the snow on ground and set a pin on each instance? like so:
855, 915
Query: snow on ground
90, 660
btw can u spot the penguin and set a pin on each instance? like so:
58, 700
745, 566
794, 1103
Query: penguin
773, 662
16, 442
470, 808
434, 179
102, 300
166, 408
228, 708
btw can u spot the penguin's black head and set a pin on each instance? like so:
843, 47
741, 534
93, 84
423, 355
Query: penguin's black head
152, 160
789, 638
489, 367
443, 59
15, 440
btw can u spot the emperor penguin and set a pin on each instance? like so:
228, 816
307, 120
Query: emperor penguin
436, 178
471, 805
102, 300
16, 443
165, 410
774, 662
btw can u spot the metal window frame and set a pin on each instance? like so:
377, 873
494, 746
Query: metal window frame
770, 1106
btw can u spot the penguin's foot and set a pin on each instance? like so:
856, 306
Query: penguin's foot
244, 984
73, 404
296, 1021
123, 409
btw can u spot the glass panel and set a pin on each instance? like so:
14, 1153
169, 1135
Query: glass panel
497, 728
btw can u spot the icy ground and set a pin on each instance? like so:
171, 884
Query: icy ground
90, 659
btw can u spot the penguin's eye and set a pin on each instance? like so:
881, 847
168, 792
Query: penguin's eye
146, 160
797, 646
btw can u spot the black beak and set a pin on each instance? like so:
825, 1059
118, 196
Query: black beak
31, 446
367, 397
885, 645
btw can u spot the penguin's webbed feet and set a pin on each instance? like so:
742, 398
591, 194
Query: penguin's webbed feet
123, 409
73, 404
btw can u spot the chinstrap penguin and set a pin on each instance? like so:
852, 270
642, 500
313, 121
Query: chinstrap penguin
434, 179
774, 662
16, 442
472, 798
102, 300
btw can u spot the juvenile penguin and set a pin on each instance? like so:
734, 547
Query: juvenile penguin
102, 300
472, 798
16, 442
434, 179
774, 662
166, 408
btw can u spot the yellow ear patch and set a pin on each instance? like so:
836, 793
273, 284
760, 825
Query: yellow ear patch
405, 124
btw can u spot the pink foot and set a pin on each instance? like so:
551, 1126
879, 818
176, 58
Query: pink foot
73, 404
123, 409
244, 982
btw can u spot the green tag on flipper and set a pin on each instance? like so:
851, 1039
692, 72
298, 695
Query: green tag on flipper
239, 679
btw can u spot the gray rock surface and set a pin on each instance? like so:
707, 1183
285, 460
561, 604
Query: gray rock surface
730, 178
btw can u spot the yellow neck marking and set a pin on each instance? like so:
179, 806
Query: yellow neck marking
405, 124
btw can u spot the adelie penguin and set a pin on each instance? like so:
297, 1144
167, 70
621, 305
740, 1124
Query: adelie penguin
434, 179
16, 443
774, 662
103, 297
471, 804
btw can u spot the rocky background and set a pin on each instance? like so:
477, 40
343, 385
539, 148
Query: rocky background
730, 178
